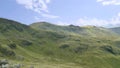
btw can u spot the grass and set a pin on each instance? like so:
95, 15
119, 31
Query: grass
60, 47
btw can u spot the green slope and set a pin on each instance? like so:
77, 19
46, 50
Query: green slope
52, 46
71, 29
116, 30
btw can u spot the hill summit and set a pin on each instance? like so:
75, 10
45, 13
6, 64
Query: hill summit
72, 29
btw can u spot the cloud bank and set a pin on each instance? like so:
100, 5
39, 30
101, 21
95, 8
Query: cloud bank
112, 22
39, 6
85, 21
109, 2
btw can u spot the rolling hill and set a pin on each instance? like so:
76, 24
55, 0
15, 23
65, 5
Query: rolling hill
116, 30
72, 29
45, 45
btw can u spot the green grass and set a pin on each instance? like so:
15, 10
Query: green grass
59, 46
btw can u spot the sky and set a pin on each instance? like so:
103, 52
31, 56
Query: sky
63, 12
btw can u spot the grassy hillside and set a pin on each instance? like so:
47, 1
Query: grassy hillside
116, 30
72, 29
50, 46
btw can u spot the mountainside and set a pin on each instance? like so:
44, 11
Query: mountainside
14, 36
45, 45
72, 29
116, 30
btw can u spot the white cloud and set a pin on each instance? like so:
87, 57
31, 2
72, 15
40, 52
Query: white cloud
49, 16
119, 14
109, 2
39, 6
62, 23
85, 21
38, 19
47, 1
115, 21
90, 21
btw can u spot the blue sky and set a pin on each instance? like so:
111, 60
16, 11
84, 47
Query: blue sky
63, 12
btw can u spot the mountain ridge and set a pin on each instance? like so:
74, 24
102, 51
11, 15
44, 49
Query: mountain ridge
86, 30
61, 46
